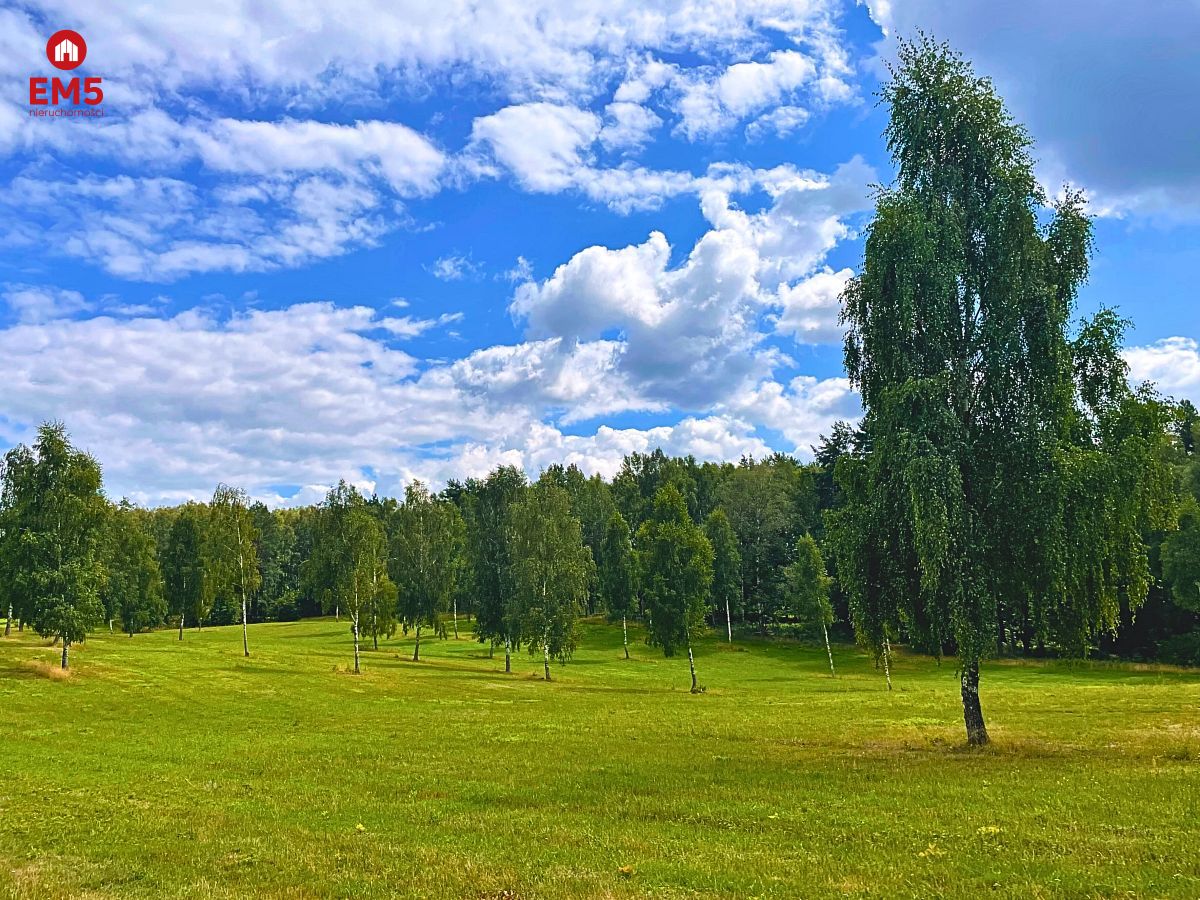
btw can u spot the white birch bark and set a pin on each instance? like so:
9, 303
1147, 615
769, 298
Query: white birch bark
887, 668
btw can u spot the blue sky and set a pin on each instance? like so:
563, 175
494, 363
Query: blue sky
406, 240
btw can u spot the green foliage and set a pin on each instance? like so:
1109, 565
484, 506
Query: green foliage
232, 549
491, 556
807, 585
675, 565
54, 515
189, 586
769, 504
1006, 471
1181, 558
551, 570
134, 587
727, 563
427, 541
617, 570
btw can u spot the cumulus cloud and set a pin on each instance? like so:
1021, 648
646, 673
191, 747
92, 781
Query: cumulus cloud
159, 229
285, 402
1172, 363
689, 334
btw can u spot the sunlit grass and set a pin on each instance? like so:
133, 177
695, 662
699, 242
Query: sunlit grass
168, 769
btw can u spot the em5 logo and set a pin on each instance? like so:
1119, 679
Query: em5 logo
65, 50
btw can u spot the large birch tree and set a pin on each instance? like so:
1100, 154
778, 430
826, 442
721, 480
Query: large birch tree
1008, 471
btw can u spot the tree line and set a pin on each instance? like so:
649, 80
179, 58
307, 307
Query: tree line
1007, 490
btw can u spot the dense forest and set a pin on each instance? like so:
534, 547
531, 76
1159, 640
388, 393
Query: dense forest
1006, 492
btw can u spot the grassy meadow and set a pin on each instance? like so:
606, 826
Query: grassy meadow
161, 769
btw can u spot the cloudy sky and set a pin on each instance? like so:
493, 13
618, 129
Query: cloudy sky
415, 239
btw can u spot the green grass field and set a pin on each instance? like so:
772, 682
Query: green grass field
160, 769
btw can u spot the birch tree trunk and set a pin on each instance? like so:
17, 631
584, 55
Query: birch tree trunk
546, 657
977, 734
728, 621
245, 630
692, 665
456, 618
66, 644
110, 631
417, 646
354, 629
507, 656
828, 650
242, 579
625, 636
8, 622
181, 624
887, 659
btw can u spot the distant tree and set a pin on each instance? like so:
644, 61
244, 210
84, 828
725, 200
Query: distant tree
54, 532
551, 569
1006, 469
618, 575
1187, 426
490, 552
278, 561
591, 503
807, 590
189, 586
1181, 558
426, 559
348, 567
758, 498
727, 566
134, 587
675, 564
233, 551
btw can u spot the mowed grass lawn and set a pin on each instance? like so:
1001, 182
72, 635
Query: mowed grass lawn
168, 769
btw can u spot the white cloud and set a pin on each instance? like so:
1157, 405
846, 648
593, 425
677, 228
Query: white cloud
311, 393
1172, 363
689, 335
454, 267
542, 144
708, 107
39, 303
811, 307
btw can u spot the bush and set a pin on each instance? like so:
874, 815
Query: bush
1181, 649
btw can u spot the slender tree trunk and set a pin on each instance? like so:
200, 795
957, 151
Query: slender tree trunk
354, 629
546, 658
110, 631
337, 613
181, 625
828, 650
66, 644
692, 665
417, 646
625, 635
245, 629
887, 661
507, 656
456, 618
728, 621
977, 734
8, 622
